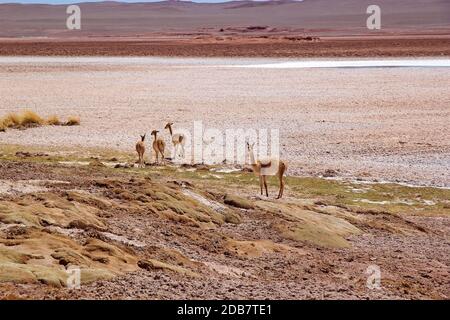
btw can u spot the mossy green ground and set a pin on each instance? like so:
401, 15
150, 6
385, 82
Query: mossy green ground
90, 213
389, 197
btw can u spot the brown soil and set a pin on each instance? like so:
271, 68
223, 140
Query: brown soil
233, 47
140, 234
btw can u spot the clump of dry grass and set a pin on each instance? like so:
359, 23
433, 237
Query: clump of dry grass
53, 121
73, 121
29, 118
19, 120
2, 126
12, 119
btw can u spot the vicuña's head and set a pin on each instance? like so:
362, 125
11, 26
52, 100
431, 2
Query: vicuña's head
250, 146
154, 132
168, 125
142, 137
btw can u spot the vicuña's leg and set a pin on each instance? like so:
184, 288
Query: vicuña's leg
261, 184
281, 172
282, 187
265, 185
175, 151
280, 193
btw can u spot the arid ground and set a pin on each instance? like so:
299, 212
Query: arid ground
70, 197
286, 45
228, 20
386, 124
309, 28
200, 232
366, 210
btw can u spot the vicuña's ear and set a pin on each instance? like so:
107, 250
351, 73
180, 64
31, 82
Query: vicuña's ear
253, 144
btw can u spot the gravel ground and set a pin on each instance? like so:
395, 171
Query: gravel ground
378, 123
411, 249
261, 44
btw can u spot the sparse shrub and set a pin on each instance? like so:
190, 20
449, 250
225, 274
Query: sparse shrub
2, 126
73, 121
12, 120
30, 118
53, 121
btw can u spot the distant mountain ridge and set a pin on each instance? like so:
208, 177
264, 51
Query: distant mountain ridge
111, 18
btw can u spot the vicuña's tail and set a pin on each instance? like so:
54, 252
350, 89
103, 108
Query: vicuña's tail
161, 146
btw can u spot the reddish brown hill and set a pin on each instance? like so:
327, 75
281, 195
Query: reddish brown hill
322, 17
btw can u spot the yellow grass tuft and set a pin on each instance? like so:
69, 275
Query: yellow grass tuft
73, 121
31, 118
12, 119
16, 120
53, 121
2, 125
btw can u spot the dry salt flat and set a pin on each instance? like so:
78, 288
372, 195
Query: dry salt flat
370, 119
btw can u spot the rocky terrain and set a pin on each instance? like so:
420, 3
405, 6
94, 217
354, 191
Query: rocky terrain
384, 124
232, 46
200, 232
366, 209
309, 28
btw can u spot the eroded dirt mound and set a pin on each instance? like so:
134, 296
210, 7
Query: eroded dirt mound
43, 234
174, 233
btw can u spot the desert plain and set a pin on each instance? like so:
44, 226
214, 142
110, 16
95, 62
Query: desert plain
385, 124
365, 213
367, 186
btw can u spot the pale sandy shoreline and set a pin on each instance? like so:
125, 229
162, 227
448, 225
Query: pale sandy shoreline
372, 123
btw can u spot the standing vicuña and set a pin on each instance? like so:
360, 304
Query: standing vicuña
158, 145
269, 167
140, 149
178, 140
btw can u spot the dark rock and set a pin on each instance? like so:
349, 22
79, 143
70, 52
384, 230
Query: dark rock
329, 173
